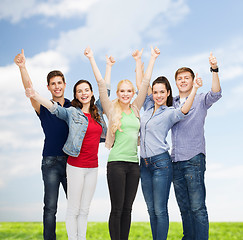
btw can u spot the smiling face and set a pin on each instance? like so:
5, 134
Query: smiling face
184, 82
57, 87
125, 92
83, 93
160, 94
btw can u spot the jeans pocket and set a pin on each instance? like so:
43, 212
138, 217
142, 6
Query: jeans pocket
48, 161
162, 164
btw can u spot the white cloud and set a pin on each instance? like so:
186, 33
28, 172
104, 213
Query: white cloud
18, 10
118, 27
21, 137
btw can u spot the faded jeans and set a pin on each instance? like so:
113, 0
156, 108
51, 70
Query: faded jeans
189, 186
53, 174
156, 177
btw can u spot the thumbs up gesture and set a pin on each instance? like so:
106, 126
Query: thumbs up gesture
213, 61
20, 59
197, 82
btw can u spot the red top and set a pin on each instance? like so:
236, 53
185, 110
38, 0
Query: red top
88, 157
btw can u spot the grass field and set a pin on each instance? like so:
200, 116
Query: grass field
99, 230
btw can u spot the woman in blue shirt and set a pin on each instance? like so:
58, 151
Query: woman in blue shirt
155, 163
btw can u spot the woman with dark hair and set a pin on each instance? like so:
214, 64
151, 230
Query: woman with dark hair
86, 128
155, 162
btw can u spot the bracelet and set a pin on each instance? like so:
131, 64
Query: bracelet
214, 70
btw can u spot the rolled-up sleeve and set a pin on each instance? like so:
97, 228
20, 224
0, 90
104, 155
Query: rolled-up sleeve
212, 97
59, 111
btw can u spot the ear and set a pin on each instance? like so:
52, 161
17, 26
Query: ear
48, 87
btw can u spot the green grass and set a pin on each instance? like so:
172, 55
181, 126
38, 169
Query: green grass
99, 230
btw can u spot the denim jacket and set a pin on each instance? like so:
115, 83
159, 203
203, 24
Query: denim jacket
78, 124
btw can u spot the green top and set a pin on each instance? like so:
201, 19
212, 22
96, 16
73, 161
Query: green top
125, 145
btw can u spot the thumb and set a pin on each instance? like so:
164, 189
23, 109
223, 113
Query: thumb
142, 51
22, 51
196, 76
211, 54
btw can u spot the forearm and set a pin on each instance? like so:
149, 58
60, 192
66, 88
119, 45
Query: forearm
108, 76
139, 74
215, 82
95, 69
25, 77
148, 73
41, 100
188, 103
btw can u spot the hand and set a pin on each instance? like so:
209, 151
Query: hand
20, 59
110, 60
88, 52
137, 54
30, 92
197, 82
155, 52
213, 61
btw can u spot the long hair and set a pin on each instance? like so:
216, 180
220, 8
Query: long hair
165, 81
116, 108
92, 108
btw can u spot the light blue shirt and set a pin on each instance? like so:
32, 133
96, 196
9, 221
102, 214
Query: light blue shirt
188, 135
155, 127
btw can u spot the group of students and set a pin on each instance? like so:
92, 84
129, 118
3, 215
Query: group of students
73, 131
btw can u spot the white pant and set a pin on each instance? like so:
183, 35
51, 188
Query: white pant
81, 183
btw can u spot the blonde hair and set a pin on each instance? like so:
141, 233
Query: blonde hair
116, 108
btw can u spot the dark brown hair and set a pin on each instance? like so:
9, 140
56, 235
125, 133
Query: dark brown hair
184, 69
76, 103
55, 73
165, 81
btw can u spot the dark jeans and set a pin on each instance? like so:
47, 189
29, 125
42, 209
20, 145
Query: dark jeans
156, 177
123, 179
188, 180
53, 173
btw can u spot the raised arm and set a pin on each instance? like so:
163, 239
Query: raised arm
32, 94
215, 81
20, 62
189, 101
104, 99
139, 71
110, 61
146, 79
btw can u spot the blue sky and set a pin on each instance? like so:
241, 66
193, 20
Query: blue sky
54, 35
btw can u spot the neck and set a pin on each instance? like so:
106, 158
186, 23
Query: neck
61, 100
184, 94
125, 107
85, 108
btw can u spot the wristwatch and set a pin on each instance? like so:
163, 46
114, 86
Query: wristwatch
214, 69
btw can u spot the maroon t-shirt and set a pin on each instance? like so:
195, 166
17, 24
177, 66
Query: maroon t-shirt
88, 157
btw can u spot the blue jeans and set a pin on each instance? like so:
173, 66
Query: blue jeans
53, 173
189, 186
156, 177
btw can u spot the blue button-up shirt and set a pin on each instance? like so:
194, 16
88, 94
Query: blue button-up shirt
188, 135
154, 128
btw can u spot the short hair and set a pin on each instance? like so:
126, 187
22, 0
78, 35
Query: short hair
55, 73
184, 69
165, 81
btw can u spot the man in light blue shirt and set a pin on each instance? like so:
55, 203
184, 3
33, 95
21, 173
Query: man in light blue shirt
188, 153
